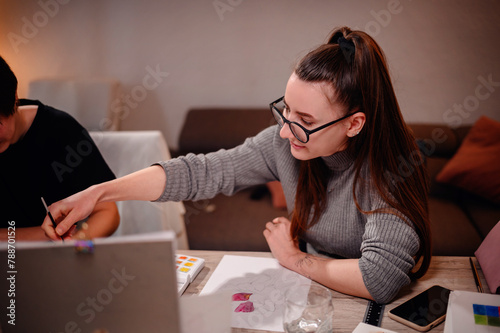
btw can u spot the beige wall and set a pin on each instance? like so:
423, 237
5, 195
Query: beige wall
240, 53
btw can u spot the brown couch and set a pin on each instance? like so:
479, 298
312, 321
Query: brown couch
459, 219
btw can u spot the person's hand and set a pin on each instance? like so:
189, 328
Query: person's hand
67, 212
53, 236
280, 242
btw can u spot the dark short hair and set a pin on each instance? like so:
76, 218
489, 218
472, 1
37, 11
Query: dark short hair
8, 89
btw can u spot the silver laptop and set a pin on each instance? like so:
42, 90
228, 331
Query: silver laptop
127, 284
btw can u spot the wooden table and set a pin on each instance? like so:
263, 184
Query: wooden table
451, 272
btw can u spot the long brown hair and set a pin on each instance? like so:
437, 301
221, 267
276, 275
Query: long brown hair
360, 79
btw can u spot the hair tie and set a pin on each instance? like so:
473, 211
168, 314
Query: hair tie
347, 48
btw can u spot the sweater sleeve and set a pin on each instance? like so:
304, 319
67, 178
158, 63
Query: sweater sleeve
388, 247
197, 177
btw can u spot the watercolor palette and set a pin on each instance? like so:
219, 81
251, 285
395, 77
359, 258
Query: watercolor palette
187, 268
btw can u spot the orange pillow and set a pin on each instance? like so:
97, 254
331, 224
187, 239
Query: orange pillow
475, 167
277, 194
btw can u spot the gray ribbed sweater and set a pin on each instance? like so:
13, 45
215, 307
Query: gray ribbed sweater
384, 243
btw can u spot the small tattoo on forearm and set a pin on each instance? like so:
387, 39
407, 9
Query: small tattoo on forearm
304, 263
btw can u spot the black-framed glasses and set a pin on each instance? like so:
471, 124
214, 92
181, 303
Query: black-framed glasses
300, 132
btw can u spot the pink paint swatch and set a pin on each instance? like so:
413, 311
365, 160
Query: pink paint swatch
241, 296
245, 307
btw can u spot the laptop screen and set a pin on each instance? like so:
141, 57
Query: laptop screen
127, 284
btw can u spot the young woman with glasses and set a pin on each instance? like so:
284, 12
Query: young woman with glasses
351, 173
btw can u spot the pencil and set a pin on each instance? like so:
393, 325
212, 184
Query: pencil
50, 215
479, 286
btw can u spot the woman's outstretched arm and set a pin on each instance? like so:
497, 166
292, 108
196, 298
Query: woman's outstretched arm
146, 184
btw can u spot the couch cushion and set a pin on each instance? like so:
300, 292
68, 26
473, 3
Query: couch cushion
483, 213
434, 166
226, 223
476, 165
277, 195
452, 232
206, 130
461, 133
233, 223
437, 140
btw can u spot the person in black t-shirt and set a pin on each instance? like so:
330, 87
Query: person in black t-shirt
45, 153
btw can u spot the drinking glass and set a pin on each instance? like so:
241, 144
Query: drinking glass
308, 308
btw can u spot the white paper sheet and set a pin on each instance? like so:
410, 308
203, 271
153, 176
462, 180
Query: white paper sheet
460, 313
365, 328
265, 278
